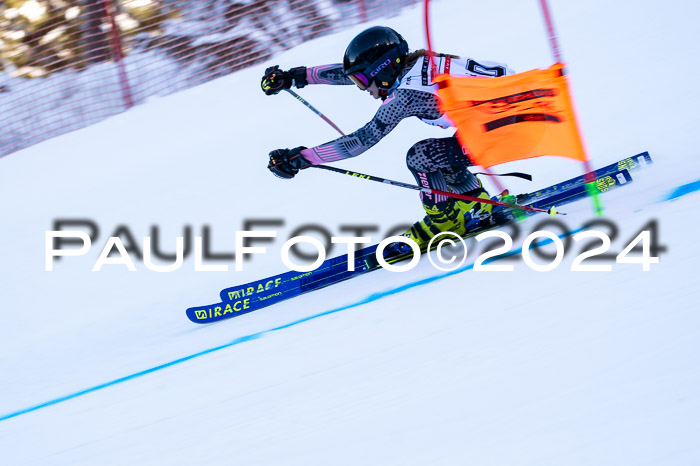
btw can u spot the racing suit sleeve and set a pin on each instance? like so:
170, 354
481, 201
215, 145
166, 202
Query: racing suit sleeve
402, 103
327, 74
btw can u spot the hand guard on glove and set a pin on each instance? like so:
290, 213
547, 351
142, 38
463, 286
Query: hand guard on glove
285, 163
275, 79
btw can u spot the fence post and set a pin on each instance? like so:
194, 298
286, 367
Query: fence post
117, 53
363, 11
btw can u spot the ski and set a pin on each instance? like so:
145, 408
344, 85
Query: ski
601, 176
262, 293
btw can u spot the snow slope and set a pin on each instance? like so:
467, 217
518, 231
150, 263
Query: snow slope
390, 368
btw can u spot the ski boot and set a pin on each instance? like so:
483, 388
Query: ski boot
479, 214
457, 216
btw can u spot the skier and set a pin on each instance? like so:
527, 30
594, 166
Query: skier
378, 61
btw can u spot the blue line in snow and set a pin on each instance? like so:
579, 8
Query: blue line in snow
678, 192
255, 336
683, 190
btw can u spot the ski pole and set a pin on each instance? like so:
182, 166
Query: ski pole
311, 107
551, 211
465, 197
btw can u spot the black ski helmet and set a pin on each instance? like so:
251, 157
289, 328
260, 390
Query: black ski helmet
376, 54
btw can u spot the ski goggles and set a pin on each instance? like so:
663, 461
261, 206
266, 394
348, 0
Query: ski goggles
361, 80
389, 59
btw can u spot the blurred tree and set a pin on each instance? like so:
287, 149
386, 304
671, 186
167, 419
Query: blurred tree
94, 39
51, 40
38, 37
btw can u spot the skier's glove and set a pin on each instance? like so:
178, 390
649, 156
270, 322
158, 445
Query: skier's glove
275, 79
285, 163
